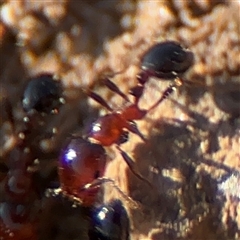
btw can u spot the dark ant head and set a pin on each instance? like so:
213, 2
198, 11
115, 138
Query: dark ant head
42, 94
166, 60
81, 162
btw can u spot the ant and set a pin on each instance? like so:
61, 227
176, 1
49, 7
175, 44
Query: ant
83, 159
165, 60
41, 96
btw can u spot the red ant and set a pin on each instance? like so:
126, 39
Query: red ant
166, 60
82, 163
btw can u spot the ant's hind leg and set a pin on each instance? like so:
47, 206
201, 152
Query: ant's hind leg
104, 180
132, 165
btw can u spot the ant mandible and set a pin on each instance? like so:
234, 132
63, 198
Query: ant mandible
165, 60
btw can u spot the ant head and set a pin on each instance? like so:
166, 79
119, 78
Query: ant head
109, 221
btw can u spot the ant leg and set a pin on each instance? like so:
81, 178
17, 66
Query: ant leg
131, 164
177, 83
142, 78
60, 194
137, 92
114, 88
123, 138
99, 181
99, 99
132, 127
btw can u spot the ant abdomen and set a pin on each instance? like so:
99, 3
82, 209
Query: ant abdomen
81, 162
166, 60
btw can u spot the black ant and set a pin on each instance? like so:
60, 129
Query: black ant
109, 222
42, 95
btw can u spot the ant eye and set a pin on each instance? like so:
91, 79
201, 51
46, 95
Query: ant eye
42, 94
166, 59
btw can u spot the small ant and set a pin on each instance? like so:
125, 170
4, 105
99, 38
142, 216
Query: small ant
165, 60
